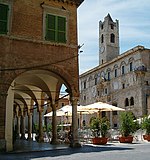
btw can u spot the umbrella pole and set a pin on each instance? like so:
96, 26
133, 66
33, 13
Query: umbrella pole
99, 113
111, 119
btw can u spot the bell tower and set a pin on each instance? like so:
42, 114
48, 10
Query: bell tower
108, 39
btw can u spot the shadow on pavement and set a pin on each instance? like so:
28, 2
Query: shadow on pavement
63, 152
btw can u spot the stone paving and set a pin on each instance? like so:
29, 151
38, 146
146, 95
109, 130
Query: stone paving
30, 146
111, 151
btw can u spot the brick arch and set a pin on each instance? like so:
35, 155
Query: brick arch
55, 70
67, 78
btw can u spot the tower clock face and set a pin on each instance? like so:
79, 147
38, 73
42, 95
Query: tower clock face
102, 49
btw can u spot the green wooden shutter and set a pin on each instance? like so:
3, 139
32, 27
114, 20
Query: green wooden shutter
61, 29
3, 18
50, 27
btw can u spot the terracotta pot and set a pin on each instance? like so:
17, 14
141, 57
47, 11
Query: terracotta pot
127, 139
146, 137
99, 140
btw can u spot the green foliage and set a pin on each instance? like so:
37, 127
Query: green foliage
48, 128
58, 128
35, 128
104, 126
127, 124
146, 124
95, 126
99, 126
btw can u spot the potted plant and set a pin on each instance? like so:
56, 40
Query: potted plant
146, 126
127, 127
99, 129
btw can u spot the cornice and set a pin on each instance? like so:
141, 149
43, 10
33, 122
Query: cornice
76, 2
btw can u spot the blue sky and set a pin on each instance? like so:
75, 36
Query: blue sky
134, 26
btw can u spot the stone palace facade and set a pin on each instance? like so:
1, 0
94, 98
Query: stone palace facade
122, 80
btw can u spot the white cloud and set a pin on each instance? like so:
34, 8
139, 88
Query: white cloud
134, 22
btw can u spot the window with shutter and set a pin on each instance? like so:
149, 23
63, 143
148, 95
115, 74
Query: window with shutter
3, 18
61, 29
55, 28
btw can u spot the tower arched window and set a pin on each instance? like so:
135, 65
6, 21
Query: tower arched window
102, 38
112, 38
131, 101
112, 26
126, 102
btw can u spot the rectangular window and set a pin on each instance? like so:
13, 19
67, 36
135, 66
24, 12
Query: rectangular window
55, 28
115, 113
98, 93
115, 125
103, 114
84, 98
3, 18
105, 90
123, 86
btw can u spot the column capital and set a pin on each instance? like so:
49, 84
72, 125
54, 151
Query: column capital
74, 98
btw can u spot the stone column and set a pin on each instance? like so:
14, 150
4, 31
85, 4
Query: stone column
18, 126
9, 120
18, 122
54, 125
29, 125
41, 138
75, 141
22, 124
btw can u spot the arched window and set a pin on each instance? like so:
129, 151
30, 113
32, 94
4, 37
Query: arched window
102, 38
112, 26
123, 70
126, 102
131, 101
108, 76
95, 80
131, 66
115, 72
112, 38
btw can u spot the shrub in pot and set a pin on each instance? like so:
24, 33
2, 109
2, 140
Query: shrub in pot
127, 127
146, 126
99, 129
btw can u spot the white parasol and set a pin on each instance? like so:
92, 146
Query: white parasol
100, 106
